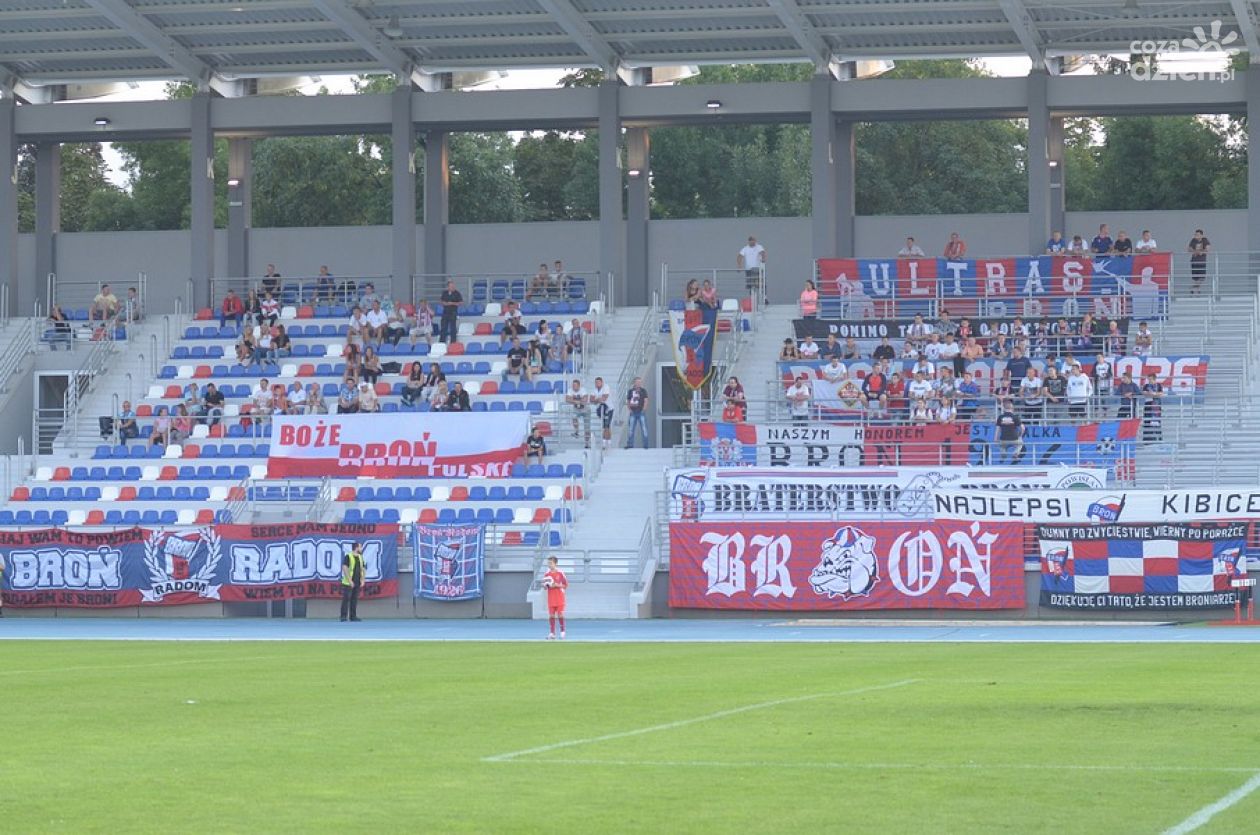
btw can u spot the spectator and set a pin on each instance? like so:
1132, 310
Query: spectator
271, 279
413, 387
918, 332
376, 320
1143, 341
325, 286
875, 389
369, 296
1018, 365
1102, 243
232, 308
947, 412
733, 393
910, 250
279, 400
132, 310
1199, 247
831, 348
538, 284
264, 349
691, 295
536, 359
1010, 433
104, 305
353, 357
798, 397
513, 327
919, 387
851, 352
451, 300
578, 399
1103, 382
60, 331
921, 412
127, 428
246, 348
395, 325
601, 401
752, 260
1000, 347
1079, 390
1145, 243
281, 342
945, 325
212, 404
371, 366
161, 435
1077, 247
636, 407
253, 308
440, 397
1128, 392
908, 351
457, 400
1032, 393
884, 351
422, 327
576, 335
1153, 411
435, 377
971, 351
261, 398
295, 399
925, 367
368, 401
969, 397
946, 385
1004, 388
560, 280
181, 425
1114, 342
348, 396
835, 373
358, 325
516, 357
1055, 387
708, 296
315, 404
1056, 245
1122, 245
535, 446
194, 402
956, 247
809, 301
809, 348
269, 310
932, 350
559, 345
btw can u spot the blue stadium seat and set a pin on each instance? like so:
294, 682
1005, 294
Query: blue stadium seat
131, 473
446, 516
23, 517
163, 493
223, 517
146, 494
79, 474
508, 387
74, 494
477, 493
199, 352
204, 472
485, 515
555, 471
131, 517
534, 493
113, 517
535, 471
421, 494
39, 494
498, 406
496, 494
503, 516
518, 471
480, 406
6, 517
201, 494
353, 516
168, 372
56, 494
573, 471
561, 514
223, 473
183, 493
42, 517
180, 353
516, 406
366, 494
118, 451
390, 516
150, 517
91, 494
516, 494
529, 538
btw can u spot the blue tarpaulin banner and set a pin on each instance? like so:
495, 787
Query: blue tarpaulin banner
449, 561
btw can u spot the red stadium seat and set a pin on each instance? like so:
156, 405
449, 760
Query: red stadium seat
236, 494
174, 393
588, 326
347, 494
724, 325
306, 369
61, 474
205, 516
201, 372
127, 494
204, 314
543, 427
542, 514
483, 329
459, 493
95, 517
144, 410
169, 473
490, 387
216, 431
746, 305
192, 451
306, 312
383, 389
428, 516
512, 538
21, 494
573, 491
455, 349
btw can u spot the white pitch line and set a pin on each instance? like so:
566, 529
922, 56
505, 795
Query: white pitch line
841, 766
1213, 809
682, 723
111, 667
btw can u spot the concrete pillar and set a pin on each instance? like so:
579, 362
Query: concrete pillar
8, 206
638, 212
1058, 177
403, 174
1251, 80
1039, 218
611, 225
845, 152
240, 190
437, 200
825, 197
47, 210
201, 180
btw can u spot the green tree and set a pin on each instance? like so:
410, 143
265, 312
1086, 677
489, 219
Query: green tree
159, 180
545, 165
320, 181
484, 187
83, 176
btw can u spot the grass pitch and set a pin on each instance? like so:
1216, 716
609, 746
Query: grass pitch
888, 738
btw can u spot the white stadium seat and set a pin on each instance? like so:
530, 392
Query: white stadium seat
473, 387
173, 451
467, 328
498, 367
258, 472
200, 431
438, 350
218, 493
554, 493
549, 406
186, 516
522, 516
150, 472
597, 307
408, 515
288, 312
288, 371
730, 305
109, 493
333, 349
76, 517
184, 372
44, 474
231, 410
155, 393
494, 309
440, 493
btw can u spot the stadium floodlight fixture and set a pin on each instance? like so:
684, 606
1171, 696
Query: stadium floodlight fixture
713, 104
101, 122
1054, 163
634, 172
233, 182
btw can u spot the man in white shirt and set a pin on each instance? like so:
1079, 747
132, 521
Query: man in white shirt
752, 258
601, 400
910, 250
920, 387
368, 401
1079, 390
950, 352
917, 335
932, 351
262, 398
809, 348
1146, 243
798, 396
358, 324
835, 373
376, 320
1030, 390
926, 368
578, 398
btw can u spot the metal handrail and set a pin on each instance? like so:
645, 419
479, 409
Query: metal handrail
429, 286
307, 287
21, 346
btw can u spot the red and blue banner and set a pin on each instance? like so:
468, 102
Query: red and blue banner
1047, 285
1164, 566
728, 444
220, 563
817, 566
1109, 445
397, 445
449, 561
694, 333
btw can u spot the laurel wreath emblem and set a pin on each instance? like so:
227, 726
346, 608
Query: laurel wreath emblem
157, 571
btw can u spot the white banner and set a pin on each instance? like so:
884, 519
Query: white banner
874, 492
1098, 506
398, 445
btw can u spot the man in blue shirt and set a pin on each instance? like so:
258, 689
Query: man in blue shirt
1102, 243
1056, 245
1018, 365
127, 428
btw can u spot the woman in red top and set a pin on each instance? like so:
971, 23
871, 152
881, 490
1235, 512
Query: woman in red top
809, 301
896, 393
555, 583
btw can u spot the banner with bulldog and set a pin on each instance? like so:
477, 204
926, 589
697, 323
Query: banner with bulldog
221, 563
807, 566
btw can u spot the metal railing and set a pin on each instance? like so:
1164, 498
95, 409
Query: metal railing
14, 355
81, 294
642, 349
306, 289
730, 283
496, 287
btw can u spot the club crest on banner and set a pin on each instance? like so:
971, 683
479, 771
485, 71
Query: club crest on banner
181, 564
1106, 509
847, 567
1059, 563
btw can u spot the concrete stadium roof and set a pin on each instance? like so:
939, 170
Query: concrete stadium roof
211, 41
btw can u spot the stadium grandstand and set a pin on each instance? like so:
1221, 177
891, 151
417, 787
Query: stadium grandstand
767, 432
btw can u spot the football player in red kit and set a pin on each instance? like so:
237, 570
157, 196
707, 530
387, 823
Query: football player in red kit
555, 583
